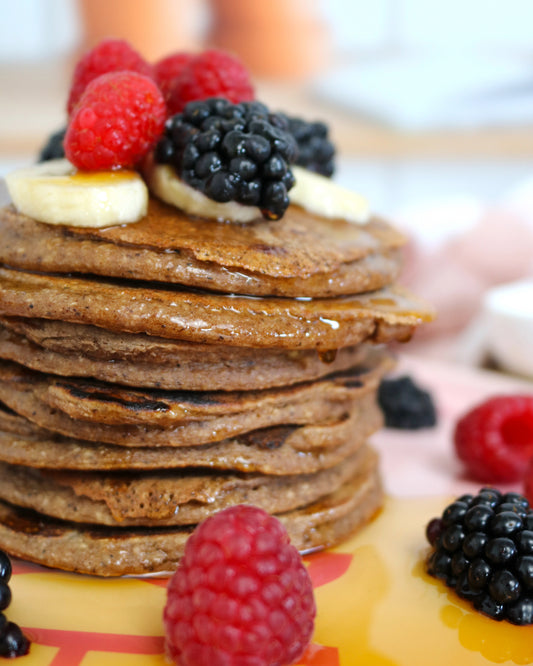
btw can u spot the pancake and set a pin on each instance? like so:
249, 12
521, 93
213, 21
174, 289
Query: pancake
75, 350
108, 551
304, 255
276, 450
130, 418
167, 498
243, 321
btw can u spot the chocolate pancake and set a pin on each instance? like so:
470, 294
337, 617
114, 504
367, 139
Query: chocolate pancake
139, 360
242, 321
276, 450
167, 498
107, 551
304, 255
103, 413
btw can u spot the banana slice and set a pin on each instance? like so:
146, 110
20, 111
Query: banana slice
55, 193
165, 184
322, 196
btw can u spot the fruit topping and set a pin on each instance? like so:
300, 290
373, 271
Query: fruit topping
13, 643
405, 405
109, 55
211, 73
117, 120
495, 439
54, 193
322, 196
315, 150
232, 152
53, 149
483, 547
240, 595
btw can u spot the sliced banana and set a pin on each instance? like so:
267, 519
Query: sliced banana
55, 193
166, 185
322, 196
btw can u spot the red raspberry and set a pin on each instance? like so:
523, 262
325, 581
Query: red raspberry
118, 119
495, 439
167, 70
528, 482
110, 55
212, 73
240, 596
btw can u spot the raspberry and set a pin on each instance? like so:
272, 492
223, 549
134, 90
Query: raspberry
482, 546
240, 595
109, 55
118, 119
167, 70
495, 439
212, 73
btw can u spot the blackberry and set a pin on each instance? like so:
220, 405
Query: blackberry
232, 152
315, 150
482, 546
13, 643
53, 149
405, 405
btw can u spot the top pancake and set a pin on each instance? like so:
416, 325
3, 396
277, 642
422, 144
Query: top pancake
300, 255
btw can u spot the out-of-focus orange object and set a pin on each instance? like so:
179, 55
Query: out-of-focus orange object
284, 39
154, 27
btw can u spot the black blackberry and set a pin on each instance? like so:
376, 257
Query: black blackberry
53, 149
405, 405
232, 152
13, 643
483, 547
315, 150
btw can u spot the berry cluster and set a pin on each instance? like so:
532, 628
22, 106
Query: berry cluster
240, 595
118, 104
405, 405
232, 152
13, 643
483, 547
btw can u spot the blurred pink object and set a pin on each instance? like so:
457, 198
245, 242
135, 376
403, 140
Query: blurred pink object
454, 276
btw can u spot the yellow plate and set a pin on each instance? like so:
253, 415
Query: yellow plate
376, 607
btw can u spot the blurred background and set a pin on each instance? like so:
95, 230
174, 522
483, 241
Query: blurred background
430, 106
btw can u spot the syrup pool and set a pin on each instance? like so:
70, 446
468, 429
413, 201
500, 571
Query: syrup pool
384, 610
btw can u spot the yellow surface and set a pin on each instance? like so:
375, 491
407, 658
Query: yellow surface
376, 607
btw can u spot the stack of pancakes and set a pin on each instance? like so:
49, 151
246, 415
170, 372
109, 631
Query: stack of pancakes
152, 374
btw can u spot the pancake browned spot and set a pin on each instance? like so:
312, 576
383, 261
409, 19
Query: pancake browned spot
275, 450
32, 395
